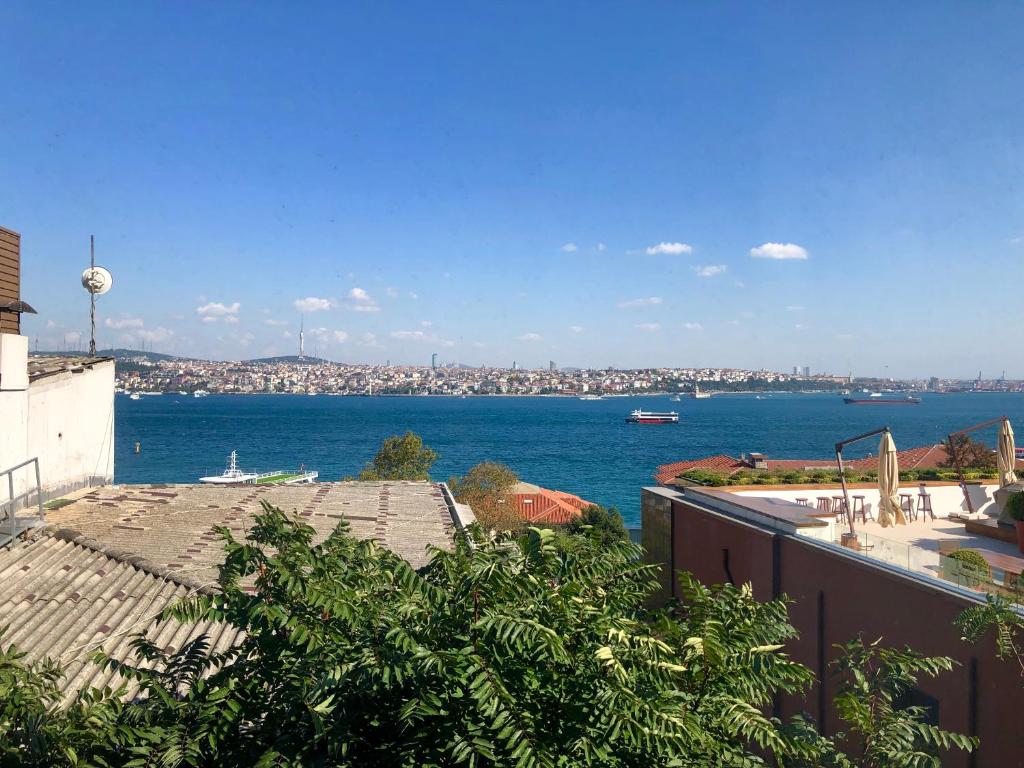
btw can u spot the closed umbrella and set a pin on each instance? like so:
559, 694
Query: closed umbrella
1005, 455
889, 512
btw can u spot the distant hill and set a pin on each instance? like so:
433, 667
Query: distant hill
289, 359
118, 354
125, 354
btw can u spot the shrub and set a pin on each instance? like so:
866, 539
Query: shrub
488, 488
1015, 506
604, 525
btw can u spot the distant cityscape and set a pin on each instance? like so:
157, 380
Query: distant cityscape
145, 372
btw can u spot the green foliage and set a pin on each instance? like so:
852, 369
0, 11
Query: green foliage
524, 650
824, 476
34, 729
971, 559
488, 488
883, 734
401, 457
999, 615
605, 525
1015, 506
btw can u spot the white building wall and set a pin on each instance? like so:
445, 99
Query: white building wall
66, 420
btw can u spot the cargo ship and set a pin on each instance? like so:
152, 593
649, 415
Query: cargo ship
876, 399
652, 417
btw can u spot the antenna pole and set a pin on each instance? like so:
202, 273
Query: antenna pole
92, 300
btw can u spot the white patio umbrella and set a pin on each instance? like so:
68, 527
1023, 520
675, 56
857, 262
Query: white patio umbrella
889, 512
1005, 456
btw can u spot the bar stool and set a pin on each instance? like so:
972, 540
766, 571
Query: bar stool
839, 507
803, 502
907, 505
825, 504
858, 506
924, 504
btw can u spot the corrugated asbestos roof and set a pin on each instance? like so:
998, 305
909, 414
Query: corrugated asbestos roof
108, 563
64, 600
41, 366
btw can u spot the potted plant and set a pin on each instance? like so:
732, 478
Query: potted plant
966, 567
1015, 509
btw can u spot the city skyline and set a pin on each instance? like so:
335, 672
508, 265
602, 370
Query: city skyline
719, 188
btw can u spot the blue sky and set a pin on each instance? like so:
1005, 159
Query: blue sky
493, 181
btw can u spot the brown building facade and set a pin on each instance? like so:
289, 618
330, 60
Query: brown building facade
838, 595
10, 278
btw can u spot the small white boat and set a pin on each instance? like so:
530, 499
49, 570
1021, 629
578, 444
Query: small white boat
230, 475
590, 397
675, 398
133, 396
200, 393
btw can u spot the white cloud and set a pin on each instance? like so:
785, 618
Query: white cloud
413, 295
740, 284
392, 292
710, 270
799, 327
733, 323
368, 340
569, 248
271, 321
340, 336
601, 247
214, 310
649, 327
312, 304
779, 251
668, 249
576, 328
794, 308
231, 319
649, 302
51, 324
693, 326
529, 337
426, 323
177, 317
73, 337
409, 335
156, 335
1015, 240
431, 338
359, 300
123, 323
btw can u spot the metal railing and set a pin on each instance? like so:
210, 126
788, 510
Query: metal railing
11, 505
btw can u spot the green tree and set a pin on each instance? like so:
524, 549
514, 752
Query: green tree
604, 524
528, 649
489, 488
401, 457
970, 452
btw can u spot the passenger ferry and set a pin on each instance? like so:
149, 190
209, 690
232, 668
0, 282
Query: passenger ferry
652, 417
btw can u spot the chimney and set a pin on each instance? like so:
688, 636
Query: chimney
759, 460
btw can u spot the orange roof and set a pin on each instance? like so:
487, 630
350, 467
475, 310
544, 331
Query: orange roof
718, 463
547, 506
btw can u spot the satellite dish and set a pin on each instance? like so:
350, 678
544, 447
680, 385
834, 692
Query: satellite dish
97, 280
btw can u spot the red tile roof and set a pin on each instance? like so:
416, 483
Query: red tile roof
719, 463
546, 506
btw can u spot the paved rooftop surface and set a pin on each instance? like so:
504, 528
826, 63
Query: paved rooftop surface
172, 526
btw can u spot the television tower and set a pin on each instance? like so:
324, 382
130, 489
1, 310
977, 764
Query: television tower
301, 338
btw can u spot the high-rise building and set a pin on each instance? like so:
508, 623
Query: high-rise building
433, 360
796, 370
807, 371
552, 366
